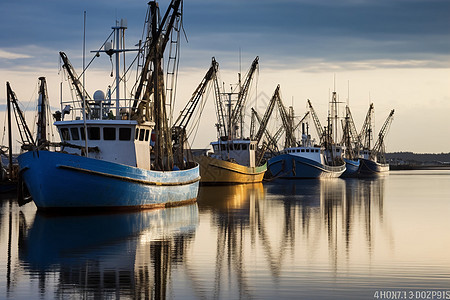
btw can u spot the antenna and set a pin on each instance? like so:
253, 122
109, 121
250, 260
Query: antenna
348, 92
334, 82
84, 90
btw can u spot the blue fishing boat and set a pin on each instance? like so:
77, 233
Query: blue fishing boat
305, 161
116, 152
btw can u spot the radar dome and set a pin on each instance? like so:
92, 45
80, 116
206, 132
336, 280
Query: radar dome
99, 95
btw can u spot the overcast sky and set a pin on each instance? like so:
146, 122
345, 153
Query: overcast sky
395, 53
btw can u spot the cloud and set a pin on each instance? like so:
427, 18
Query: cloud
12, 55
284, 32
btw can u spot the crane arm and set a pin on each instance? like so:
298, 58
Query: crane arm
301, 121
366, 130
351, 125
289, 136
379, 145
316, 121
242, 97
79, 88
267, 114
24, 130
221, 123
187, 112
266, 132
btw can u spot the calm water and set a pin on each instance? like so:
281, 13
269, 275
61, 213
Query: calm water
309, 239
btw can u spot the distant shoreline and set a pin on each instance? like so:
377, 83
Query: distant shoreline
418, 167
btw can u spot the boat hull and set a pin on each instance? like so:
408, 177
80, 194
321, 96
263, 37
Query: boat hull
369, 168
296, 167
351, 167
58, 181
216, 171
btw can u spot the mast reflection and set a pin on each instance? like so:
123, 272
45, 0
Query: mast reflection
289, 220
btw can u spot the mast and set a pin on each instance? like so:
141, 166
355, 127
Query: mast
42, 113
152, 82
120, 28
9, 129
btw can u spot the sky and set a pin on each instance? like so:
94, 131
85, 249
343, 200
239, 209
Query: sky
394, 53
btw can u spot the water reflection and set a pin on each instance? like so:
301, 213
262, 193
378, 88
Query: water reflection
289, 222
109, 255
320, 237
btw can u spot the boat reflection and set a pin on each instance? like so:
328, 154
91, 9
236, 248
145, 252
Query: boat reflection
108, 255
234, 197
290, 222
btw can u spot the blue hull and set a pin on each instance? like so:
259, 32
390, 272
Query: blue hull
292, 166
352, 167
372, 168
63, 181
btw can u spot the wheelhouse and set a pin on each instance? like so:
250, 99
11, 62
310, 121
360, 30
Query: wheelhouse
242, 152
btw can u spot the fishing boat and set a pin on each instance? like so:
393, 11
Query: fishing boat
116, 148
370, 166
373, 160
233, 159
307, 159
304, 161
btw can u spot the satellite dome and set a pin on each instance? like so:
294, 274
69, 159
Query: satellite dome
99, 95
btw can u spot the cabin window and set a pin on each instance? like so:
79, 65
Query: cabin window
147, 134
231, 146
75, 134
244, 147
303, 150
94, 133
83, 136
141, 134
215, 148
222, 147
136, 135
316, 150
307, 150
237, 147
109, 134
338, 150
65, 134
125, 134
